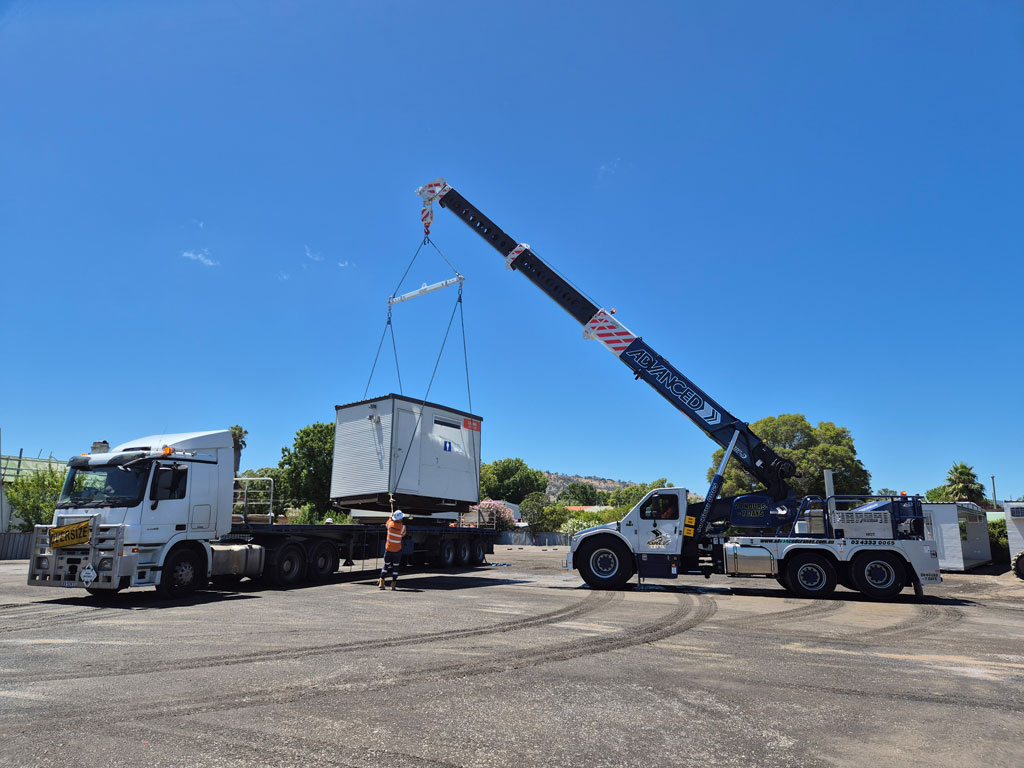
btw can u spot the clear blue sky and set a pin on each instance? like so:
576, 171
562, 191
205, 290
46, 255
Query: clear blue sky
807, 207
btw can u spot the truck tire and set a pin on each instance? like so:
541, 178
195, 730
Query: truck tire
605, 564
447, 553
1017, 565
462, 552
878, 575
477, 552
181, 575
323, 561
287, 568
810, 575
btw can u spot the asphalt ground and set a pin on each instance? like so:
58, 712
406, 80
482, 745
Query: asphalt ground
513, 664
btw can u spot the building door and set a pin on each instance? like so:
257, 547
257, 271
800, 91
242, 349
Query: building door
405, 454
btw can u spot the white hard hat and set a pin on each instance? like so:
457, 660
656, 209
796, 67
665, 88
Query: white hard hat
398, 515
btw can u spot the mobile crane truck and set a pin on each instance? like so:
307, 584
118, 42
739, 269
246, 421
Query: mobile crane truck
809, 545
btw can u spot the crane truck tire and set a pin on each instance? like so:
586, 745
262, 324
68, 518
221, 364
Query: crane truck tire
879, 575
605, 563
1017, 564
478, 552
810, 575
286, 567
182, 573
323, 561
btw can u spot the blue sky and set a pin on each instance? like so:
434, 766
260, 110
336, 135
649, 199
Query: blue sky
806, 207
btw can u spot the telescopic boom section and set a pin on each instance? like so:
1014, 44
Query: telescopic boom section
757, 458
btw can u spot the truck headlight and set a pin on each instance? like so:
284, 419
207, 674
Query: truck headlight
42, 563
106, 563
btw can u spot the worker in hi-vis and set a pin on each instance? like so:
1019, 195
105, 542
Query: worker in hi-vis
393, 549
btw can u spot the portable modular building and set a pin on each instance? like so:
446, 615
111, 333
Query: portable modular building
417, 455
1014, 526
960, 532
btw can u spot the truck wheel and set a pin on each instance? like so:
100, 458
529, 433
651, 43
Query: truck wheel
448, 553
477, 552
289, 567
323, 561
462, 553
181, 574
605, 564
1017, 564
810, 575
879, 575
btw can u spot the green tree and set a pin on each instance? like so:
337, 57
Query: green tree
812, 449
510, 480
962, 484
238, 437
550, 518
533, 504
307, 467
886, 492
34, 496
631, 495
579, 495
938, 494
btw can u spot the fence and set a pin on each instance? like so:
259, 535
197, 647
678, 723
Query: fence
15, 546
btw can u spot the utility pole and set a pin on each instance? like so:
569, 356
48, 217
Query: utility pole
995, 499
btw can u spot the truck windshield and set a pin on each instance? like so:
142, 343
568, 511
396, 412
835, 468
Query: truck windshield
104, 486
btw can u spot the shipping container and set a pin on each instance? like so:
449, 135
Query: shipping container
410, 453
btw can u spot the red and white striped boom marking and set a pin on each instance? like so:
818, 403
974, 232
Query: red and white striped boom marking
605, 328
515, 253
435, 190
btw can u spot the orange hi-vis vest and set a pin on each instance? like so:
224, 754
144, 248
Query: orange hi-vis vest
396, 531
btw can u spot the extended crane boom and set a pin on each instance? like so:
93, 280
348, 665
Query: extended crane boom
757, 458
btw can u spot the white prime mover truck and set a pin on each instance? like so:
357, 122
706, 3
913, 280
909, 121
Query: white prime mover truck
157, 511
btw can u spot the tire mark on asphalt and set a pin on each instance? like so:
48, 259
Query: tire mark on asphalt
688, 614
593, 602
44, 617
812, 609
928, 619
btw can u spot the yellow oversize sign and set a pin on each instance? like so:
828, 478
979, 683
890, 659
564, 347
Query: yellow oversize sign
69, 535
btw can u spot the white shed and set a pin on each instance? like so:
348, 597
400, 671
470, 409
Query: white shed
960, 532
426, 456
1014, 528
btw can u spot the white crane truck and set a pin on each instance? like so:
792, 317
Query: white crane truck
871, 544
157, 511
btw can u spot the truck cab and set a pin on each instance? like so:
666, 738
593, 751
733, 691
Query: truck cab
121, 514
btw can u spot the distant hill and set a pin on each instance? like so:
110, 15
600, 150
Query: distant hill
558, 481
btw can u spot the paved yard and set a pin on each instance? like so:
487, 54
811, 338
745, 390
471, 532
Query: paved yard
513, 665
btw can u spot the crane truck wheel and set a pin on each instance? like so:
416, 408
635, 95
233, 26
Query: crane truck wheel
605, 563
288, 567
323, 561
477, 552
879, 575
810, 575
1017, 565
181, 574
462, 552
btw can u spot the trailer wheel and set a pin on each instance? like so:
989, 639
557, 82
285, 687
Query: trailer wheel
1017, 564
810, 575
879, 575
478, 552
462, 553
448, 553
605, 564
181, 575
323, 561
288, 568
